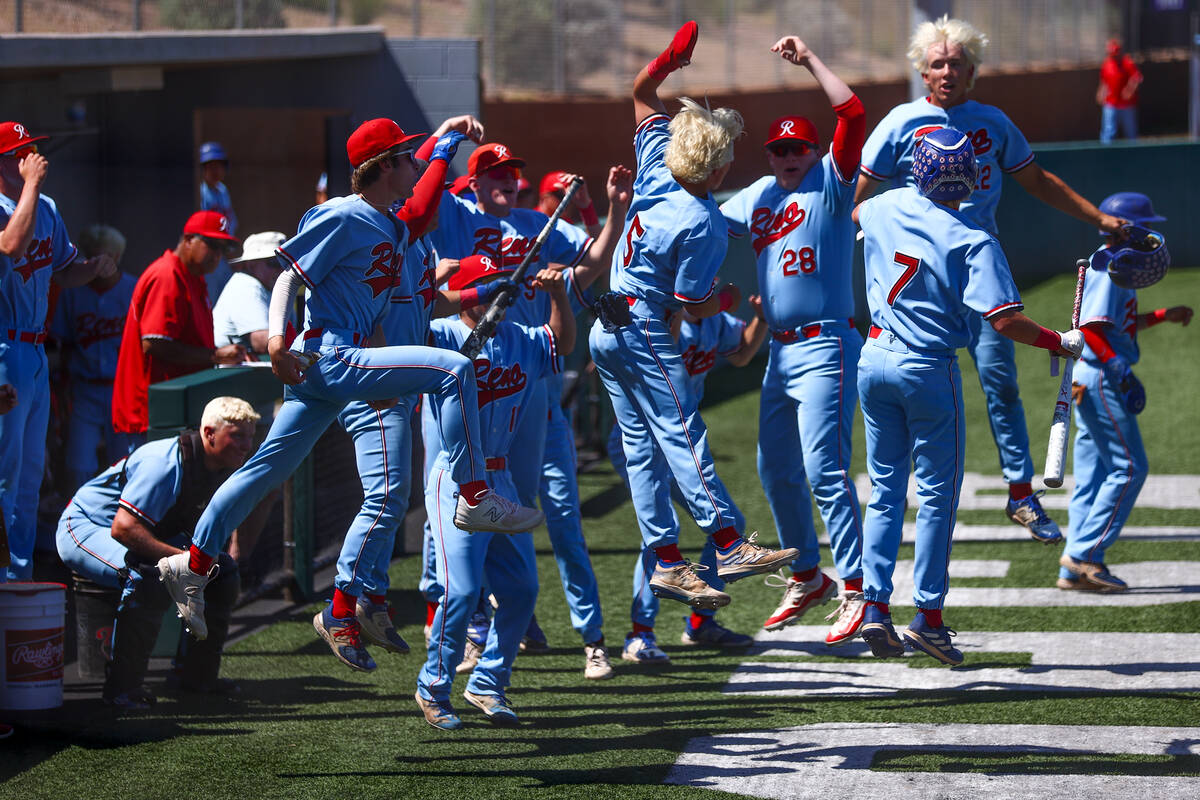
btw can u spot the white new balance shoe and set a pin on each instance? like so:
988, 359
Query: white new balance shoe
496, 514
187, 590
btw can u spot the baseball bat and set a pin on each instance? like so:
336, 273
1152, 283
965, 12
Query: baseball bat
1060, 425
486, 327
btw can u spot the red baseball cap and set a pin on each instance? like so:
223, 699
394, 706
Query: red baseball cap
476, 268
461, 184
209, 224
523, 185
373, 137
553, 182
491, 155
14, 136
793, 129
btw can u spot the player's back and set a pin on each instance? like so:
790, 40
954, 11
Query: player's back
148, 465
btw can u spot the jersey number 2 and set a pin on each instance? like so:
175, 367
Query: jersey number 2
911, 265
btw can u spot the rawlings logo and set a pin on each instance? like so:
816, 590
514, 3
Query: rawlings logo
33, 655
387, 265
767, 227
91, 328
496, 383
39, 255
698, 361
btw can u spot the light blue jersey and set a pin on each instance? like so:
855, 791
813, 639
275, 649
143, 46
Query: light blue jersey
25, 281
674, 242
701, 341
999, 147
803, 243
411, 305
145, 483
216, 198
92, 322
927, 268
1104, 301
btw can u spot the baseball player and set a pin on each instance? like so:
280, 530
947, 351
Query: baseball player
930, 269
34, 247
214, 196
545, 465
701, 341
506, 374
1110, 459
674, 241
948, 53
799, 221
347, 254
88, 321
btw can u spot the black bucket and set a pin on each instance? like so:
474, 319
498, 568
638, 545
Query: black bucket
95, 611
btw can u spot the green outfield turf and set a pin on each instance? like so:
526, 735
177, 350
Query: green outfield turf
310, 728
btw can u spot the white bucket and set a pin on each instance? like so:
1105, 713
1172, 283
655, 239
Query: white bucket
32, 617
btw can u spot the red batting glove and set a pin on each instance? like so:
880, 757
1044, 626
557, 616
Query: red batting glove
679, 54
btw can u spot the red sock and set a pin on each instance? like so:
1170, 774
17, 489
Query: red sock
668, 554
1019, 491
883, 607
677, 55
807, 575
473, 491
696, 620
725, 537
933, 616
640, 628
431, 608
198, 560
343, 604
854, 585
377, 599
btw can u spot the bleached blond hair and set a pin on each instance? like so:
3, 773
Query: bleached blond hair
222, 411
701, 140
97, 239
952, 31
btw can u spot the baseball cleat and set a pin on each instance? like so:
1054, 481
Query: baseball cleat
1095, 574
596, 666
642, 648
680, 582
534, 641
439, 715
935, 642
477, 633
495, 706
376, 626
798, 597
712, 634
745, 558
187, 590
342, 636
1028, 512
849, 619
495, 514
880, 635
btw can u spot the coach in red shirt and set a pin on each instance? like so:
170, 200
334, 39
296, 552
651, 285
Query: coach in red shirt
169, 327
1117, 94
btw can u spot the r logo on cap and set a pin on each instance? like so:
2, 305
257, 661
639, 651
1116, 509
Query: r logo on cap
19, 129
786, 127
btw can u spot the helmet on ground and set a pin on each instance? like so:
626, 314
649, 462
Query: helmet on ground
1133, 206
944, 165
1139, 261
212, 151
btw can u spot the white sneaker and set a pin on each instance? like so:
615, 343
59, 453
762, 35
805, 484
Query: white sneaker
596, 666
849, 616
496, 514
798, 598
643, 648
187, 590
471, 654
376, 626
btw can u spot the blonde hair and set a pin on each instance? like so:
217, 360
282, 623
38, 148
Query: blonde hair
222, 411
701, 140
952, 31
97, 239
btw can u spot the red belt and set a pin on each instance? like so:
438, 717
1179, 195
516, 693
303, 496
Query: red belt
495, 464
316, 333
874, 332
28, 337
632, 300
804, 331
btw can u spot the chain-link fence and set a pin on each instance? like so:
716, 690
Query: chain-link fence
593, 47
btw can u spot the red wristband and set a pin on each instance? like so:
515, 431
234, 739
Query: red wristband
726, 300
468, 298
589, 215
1156, 316
1047, 339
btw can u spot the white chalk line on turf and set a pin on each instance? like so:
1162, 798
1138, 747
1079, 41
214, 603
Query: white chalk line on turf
1009, 532
834, 760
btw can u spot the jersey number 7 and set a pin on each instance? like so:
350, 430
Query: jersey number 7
911, 265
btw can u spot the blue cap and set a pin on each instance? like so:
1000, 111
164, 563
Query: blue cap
212, 151
1133, 206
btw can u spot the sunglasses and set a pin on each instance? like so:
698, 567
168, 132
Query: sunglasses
226, 247
24, 151
503, 173
783, 149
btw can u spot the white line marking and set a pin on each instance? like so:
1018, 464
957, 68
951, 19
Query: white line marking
1009, 532
1159, 491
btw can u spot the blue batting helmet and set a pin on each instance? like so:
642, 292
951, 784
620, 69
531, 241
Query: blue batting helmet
1133, 206
1140, 261
212, 151
944, 165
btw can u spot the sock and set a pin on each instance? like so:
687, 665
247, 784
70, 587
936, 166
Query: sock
675, 56
933, 616
696, 620
668, 554
1019, 491
473, 491
198, 561
883, 607
377, 599
854, 585
807, 575
726, 537
640, 628
431, 608
343, 604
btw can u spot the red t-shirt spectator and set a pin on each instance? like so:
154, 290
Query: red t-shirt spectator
1115, 74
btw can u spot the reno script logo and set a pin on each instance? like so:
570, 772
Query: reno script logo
32, 656
768, 226
496, 383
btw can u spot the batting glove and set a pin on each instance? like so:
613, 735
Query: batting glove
1072, 341
1133, 395
447, 146
489, 290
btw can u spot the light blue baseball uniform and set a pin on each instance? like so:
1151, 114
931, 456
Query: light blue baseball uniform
349, 256
999, 148
24, 297
216, 198
672, 246
89, 323
1110, 459
929, 270
803, 242
146, 483
544, 467
506, 369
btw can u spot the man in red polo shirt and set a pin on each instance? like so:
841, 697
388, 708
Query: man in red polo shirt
169, 328
1117, 94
